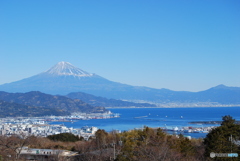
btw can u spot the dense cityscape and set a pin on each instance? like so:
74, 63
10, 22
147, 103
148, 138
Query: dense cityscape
38, 126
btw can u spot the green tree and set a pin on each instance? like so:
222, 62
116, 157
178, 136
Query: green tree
228, 120
185, 146
101, 138
65, 137
160, 133
222, 139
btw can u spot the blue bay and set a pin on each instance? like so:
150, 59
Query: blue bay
131, 118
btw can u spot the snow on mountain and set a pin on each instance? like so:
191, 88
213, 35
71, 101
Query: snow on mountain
62, 78
65, 68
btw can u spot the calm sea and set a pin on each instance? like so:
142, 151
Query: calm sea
131, 118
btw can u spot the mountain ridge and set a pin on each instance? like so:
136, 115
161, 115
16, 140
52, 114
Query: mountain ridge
64, 78
101, 101
12, 109
62, 104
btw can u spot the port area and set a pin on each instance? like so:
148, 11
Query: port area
209, 122
81, 116
47, 119
187, 132
188, 129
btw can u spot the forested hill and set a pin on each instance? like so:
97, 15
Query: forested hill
55, 105
11, 109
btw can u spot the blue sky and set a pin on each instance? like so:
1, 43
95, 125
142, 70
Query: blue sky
180, 45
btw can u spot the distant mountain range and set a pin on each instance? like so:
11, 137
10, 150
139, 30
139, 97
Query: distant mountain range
101, 101
64, 78
220, 95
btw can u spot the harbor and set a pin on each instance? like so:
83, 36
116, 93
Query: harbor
189, 129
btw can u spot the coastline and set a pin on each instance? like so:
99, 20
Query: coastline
210, 122
175, 107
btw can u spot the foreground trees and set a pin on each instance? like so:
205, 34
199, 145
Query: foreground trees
10, 147
155, 145
223, 139
140, 145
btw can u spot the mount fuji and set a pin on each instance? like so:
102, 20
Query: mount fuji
64, 78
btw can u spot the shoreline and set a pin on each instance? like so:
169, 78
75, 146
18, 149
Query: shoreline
175, 107
210, 122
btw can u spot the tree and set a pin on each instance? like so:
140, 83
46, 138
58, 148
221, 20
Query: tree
222, 139
228, 120
65, 137
101, 138
12, 146
185, 146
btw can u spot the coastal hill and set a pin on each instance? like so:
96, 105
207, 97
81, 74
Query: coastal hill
64, 78
45, 103
11, 109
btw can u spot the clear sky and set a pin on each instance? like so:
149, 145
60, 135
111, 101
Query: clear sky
188, 45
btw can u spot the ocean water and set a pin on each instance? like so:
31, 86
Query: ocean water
131, 118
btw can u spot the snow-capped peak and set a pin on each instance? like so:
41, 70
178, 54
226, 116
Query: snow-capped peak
65, 68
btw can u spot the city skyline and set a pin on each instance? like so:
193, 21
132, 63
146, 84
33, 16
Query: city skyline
178, 45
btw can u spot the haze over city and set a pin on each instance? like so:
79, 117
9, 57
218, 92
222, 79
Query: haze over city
179, 45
